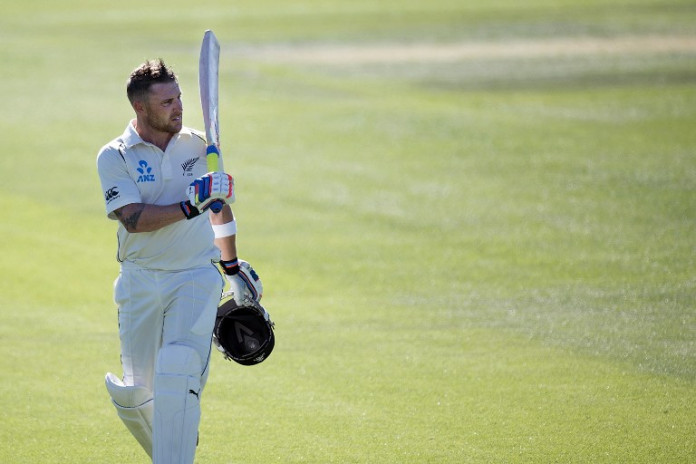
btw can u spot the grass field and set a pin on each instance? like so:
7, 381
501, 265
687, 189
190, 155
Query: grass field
475, 223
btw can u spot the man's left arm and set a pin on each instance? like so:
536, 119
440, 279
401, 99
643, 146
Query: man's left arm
225, 228
244, 282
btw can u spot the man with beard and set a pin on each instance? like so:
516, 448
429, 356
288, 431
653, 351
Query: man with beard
155, 183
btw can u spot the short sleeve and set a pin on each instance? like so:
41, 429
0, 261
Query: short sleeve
118, 186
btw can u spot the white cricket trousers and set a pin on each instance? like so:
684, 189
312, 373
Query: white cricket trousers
157, 308
166, 322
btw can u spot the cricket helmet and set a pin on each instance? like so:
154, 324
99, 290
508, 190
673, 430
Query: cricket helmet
243, 332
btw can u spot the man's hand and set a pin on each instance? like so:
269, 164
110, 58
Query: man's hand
243, 279
206, 190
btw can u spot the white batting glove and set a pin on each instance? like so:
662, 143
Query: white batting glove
244, 281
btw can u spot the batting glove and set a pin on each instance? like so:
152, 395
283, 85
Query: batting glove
243, 279
212, 187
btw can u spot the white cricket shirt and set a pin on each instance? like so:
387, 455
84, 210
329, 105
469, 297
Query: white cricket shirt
134, 171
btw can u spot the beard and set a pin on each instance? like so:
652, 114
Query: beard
164, 122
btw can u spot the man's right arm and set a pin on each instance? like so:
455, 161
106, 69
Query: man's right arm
141, 217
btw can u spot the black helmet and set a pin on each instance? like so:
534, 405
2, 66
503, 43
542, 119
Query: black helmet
243, 333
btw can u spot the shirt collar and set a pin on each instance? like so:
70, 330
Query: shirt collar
131, 137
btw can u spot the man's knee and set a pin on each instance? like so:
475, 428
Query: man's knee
176, 359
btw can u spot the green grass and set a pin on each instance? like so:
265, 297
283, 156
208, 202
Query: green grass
483, 260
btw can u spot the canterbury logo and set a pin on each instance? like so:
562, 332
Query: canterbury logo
111, 194
188, 165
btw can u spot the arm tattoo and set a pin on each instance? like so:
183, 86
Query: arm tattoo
130, 222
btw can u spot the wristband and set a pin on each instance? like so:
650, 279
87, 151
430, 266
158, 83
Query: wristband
189, 210
225, 230
230, 267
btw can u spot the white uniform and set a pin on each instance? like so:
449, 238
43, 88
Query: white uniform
133, 171
167, 291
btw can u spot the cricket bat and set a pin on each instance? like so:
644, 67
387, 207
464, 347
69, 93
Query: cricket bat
208, 65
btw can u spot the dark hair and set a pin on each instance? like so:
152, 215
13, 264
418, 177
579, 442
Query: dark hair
148, 73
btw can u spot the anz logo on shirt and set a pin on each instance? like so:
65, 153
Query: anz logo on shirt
145, 172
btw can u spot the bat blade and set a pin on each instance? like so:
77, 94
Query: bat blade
208, 69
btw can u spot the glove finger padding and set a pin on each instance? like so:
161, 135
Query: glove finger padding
212, 187
243, 333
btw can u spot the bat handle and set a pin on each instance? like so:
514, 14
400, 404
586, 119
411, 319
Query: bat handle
212, 155
216, 206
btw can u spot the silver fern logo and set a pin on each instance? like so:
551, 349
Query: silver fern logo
188, 165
